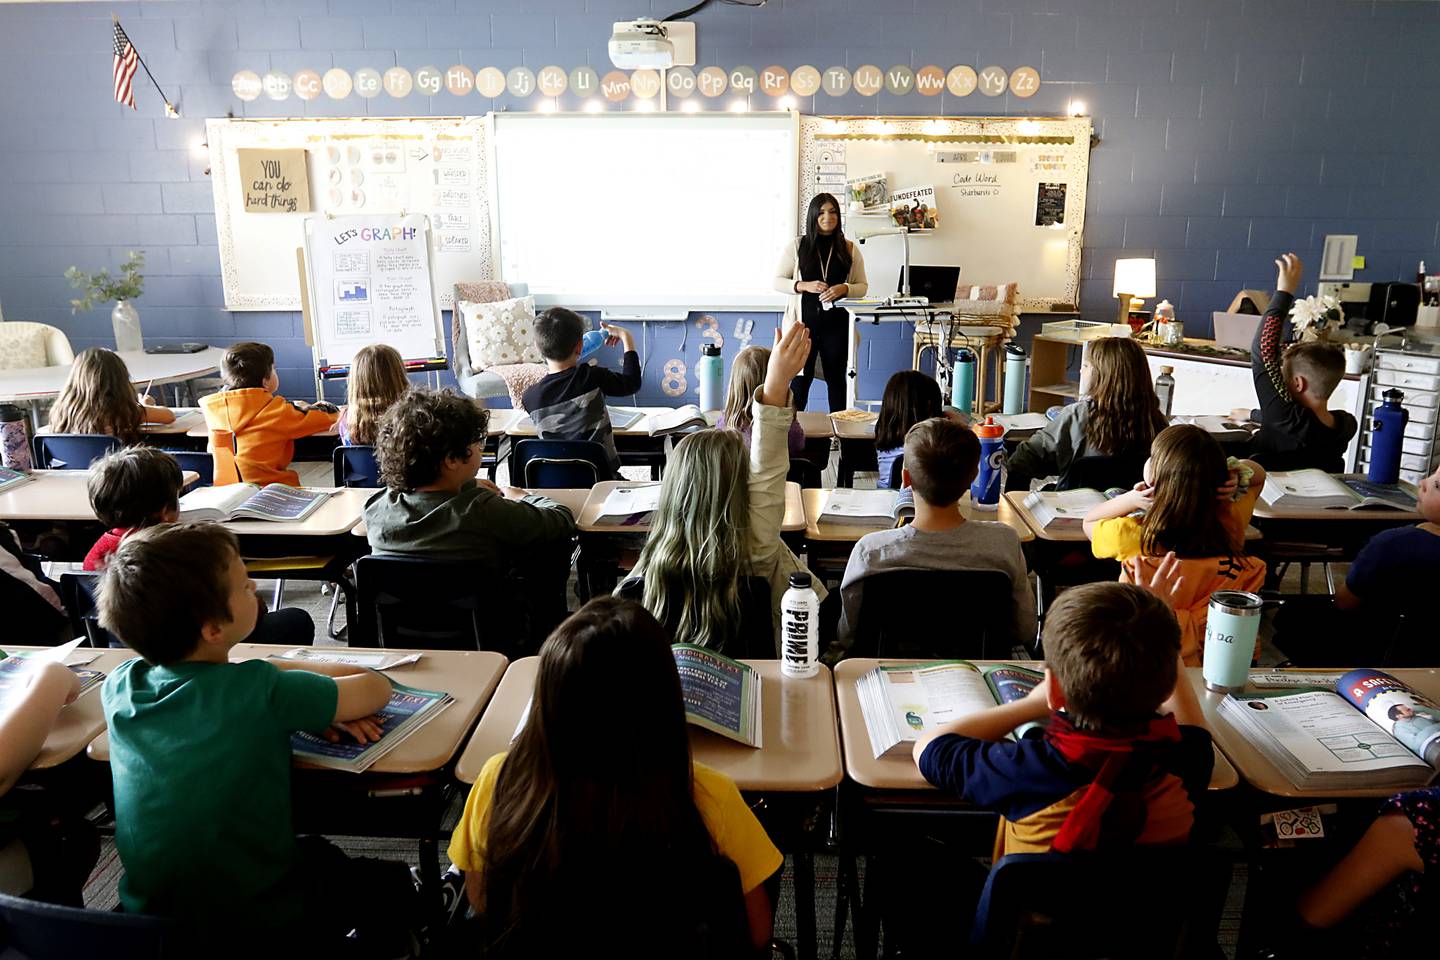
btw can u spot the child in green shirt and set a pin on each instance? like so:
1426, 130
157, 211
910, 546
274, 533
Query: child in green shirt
200, 752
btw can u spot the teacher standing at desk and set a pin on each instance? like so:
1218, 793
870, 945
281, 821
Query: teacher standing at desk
819, 268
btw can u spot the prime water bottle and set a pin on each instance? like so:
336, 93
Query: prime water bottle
711, 372
800, 628
1387, 433
990, 480
1014, 380
962, 380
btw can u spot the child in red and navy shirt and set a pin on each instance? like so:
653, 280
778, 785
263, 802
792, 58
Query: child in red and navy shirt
1123, 759
132, 488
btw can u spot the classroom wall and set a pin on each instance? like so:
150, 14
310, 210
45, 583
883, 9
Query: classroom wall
1230, 130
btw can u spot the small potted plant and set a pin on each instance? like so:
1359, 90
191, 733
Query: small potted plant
1317, 318
101, 287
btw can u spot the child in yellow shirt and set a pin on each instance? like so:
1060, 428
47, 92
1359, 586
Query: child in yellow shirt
1196, 506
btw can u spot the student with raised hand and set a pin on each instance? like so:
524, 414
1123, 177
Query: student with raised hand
1117, 414
1193, 503
599, 811
45, 854
721, 508
99, 398
747, 373
1296, 428
200, 756
941, 460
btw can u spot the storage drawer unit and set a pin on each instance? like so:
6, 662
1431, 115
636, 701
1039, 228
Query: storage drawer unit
1412, 367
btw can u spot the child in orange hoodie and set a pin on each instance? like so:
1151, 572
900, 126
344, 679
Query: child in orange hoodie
253, 431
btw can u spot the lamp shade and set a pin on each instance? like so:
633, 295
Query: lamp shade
1135, 276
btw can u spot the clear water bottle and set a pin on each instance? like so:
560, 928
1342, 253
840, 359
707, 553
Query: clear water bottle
1165, 389
990, 480
1387, 433
800, 628
711, 373
1170, 331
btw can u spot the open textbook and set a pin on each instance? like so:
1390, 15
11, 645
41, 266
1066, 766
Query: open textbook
1062, 509
879, 508
721, 695
1367, 729
1318, 490
409, 709
629, 504
13, 667
902, 701
246, 501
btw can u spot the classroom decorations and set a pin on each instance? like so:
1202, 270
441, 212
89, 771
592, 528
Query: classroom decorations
126, 59
1316, 318
274, 181
774, 81
101, 287
914, 209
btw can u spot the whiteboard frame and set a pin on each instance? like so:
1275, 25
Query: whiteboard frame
1068, 135
320, 362
668, 307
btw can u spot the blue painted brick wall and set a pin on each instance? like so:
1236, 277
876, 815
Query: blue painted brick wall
1230, 129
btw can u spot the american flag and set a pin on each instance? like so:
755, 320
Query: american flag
126, 60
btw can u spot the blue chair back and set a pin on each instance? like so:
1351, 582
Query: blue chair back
356, 466
1102, 904
912, 614
31, 930
429, 604
558, 463
196, 461
77, 593
72, 451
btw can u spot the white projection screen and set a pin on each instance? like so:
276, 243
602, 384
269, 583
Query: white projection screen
656, 214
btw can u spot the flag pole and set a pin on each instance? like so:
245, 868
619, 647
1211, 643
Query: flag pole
170, 110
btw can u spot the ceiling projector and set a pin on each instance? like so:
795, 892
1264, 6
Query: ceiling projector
641, 43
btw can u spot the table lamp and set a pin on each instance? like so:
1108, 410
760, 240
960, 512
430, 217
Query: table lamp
1134, 277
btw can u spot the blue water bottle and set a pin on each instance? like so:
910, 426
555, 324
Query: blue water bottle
962, 380
985, 491
591, 343
711, 371
1387, 432
1014, 380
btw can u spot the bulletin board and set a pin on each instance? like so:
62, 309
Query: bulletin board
382, 167
1009, 195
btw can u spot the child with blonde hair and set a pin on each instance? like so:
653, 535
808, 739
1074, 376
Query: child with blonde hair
377, 379
98, 398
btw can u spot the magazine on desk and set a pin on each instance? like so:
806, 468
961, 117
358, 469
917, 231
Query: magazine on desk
1366, 730
409, 709
246, 501
878, 508
901, 701
1318, 490
1062, 509
12, 478
13, 667
721, 695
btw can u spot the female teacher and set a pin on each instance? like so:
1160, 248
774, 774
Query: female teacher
818, 269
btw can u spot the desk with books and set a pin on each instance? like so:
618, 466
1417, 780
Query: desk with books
55, 496
793, 772
83, 720
406, 792
1300, 532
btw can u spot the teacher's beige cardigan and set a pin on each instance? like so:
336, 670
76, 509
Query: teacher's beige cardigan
788, 271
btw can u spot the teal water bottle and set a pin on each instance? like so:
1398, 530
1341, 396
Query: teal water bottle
710, 370
962, 380
1014, 379
1232, 623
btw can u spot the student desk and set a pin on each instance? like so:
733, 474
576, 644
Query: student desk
572, 497
792, 773
857, 446
58, 496
187, 421
885, 800
1316, 535
634, 443
405, 794
603, 545
82, 721
32, 384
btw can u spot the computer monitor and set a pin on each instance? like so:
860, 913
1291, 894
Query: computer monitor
937, 284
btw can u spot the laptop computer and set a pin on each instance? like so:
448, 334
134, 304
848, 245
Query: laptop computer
937, 284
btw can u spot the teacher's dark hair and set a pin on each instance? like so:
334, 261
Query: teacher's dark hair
814, 247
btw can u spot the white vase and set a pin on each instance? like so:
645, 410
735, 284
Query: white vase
126, 320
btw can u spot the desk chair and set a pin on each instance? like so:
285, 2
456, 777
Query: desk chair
430, 604
72, 451
31, 930
756, 637
198, 461
1102, 473
918, 614
77, 593
804, 472
1102, 905
356, 466
856, 455
558, 463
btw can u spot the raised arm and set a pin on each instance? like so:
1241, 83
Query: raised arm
1265, 349
769, 450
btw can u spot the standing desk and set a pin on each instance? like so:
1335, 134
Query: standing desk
887, 797
788, 780
407, 791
